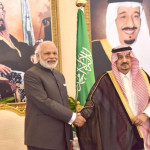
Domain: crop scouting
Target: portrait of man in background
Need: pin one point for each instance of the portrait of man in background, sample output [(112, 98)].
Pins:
[(22, 23), (116, 22)]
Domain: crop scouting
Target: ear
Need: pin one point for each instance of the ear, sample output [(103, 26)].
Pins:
[(38, 57)]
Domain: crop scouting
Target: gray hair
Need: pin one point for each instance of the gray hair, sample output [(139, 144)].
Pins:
[(38, 49)]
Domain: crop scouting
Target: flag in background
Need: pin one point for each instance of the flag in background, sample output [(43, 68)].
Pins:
[(85, 77)]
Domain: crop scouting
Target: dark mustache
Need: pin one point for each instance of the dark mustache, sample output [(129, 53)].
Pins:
[(2, 20), (128, 28), (125, 63)]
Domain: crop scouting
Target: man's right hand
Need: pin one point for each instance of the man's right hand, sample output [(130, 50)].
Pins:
[(4, 69), (79, 121)]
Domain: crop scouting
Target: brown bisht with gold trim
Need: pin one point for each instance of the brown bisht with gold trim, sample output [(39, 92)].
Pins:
[(109, 116)]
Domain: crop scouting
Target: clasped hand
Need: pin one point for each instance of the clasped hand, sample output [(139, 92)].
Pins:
[(140, 119), (79, 121)]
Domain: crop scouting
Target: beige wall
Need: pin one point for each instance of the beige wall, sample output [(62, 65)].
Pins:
[(68, 21)]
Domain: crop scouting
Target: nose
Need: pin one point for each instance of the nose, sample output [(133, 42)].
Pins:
[(52, 56), (130, 22), (124, 59)]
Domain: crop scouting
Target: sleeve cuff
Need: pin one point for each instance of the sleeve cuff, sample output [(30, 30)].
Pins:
[(147, 111), (72, 118)]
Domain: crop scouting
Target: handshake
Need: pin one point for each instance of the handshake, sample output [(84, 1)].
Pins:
[(79, 121)]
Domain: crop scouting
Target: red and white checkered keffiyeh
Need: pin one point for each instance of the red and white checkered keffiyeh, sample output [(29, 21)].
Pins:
[(140, 88)]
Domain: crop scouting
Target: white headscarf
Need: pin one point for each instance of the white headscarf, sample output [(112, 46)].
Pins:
[(141, 47)]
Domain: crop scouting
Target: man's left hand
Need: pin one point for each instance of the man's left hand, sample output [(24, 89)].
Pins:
[(139, 120)]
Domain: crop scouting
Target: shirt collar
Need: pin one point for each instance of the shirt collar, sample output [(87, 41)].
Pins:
[(46, 69), (128, 75)]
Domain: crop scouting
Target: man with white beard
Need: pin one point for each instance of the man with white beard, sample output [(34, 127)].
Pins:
[(48, 118)]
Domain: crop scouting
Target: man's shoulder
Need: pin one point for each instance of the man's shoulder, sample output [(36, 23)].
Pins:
[(143, 71), (103, 81), (145, 75), (102, 77), (97, 43), (37, 69), (33, 69), (100, 42)]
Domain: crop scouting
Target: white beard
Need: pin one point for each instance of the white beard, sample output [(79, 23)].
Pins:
[(47, 65)]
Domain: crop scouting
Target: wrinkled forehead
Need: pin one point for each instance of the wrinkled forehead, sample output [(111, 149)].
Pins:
[(47, 47), (124, 53), (116, 55), (129, 11)]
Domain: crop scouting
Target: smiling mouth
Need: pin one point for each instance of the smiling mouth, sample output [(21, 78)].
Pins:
[(51, 61), (1, 22), (130, 32)]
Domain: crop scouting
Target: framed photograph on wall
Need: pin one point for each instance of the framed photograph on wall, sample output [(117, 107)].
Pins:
[(106, 32), (24, 24)]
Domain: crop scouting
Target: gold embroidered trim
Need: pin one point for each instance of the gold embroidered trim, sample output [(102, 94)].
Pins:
[(95, 40), (147, 81), (123, 99), (107, 48), (94, 91), (11, 45), (18, 108)]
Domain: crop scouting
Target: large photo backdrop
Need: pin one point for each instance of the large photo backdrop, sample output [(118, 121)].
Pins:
[(23, 24), (116, 22)]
